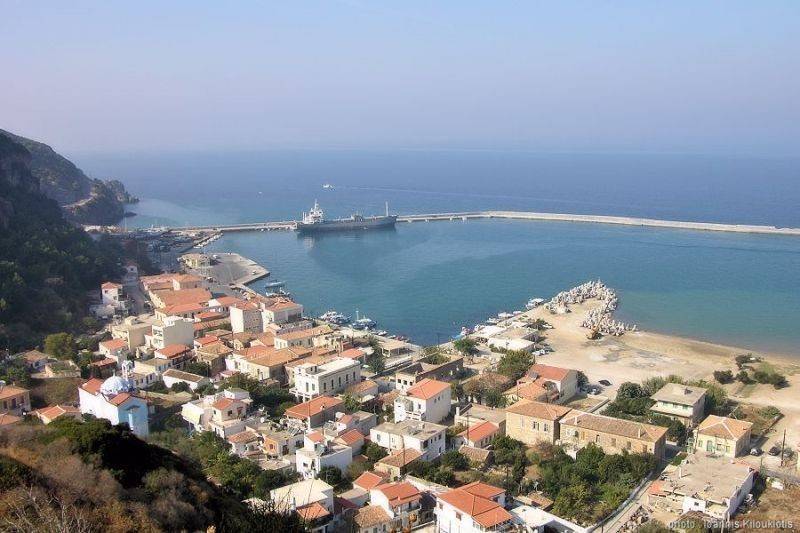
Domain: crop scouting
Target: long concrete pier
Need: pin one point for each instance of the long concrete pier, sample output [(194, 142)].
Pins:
[(526, 215)]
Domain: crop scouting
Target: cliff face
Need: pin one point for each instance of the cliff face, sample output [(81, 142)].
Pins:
[(83, 199)]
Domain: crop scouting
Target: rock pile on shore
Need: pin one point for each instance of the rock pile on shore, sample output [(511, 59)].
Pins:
[(601, 318)]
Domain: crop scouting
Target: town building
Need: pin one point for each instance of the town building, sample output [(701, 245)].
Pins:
[(312, 380), (246, 316), (303, 338), (114, 399), (546, 383), (116, 349), (473, 413), (479, 435), (713, 486), (315, 412), (447, 371), (172, 376), (613, 435), (177, 354), (14, 400), (372, 519), (170, 330), (133, 330), (224, 413), (318, 452), (518, 339), (425, 437), (34, 360), (723, 436), (395, 465), (281, 311), (53, 412), (113, 297), (400, 500), (682, 402), (310, 498), (473, 508), (535, 422), (427, 400)]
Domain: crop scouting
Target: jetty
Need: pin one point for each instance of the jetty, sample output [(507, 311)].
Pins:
[(285, 225)]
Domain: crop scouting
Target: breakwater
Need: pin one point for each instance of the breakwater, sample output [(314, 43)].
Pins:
[(524, 215)]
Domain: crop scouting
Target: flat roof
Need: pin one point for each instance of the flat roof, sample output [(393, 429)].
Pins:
[(680, 394)]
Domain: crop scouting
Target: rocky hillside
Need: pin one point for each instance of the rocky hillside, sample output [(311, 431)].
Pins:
[(83, 199), (46, 263)]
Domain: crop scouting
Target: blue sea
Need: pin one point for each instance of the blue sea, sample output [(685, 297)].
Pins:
[(426, 280)]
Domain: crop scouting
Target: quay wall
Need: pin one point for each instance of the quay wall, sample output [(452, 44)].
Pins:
[(528, 215)]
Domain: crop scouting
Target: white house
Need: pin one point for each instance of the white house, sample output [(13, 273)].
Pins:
[(428, 400), (310, 495), (473, 508), (281, 311), (425, 437), (114, 400), (172, 376), (397, 499), (223, 413), (171, 330), (113, 296), (312, 380), (318, 452), (246, 316)]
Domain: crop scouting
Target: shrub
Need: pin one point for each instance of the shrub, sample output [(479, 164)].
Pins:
[(723, 376)]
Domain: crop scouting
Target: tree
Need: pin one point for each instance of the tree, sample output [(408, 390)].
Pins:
[(723, 376), (652, 385), (198, 367), (466, 345), (351, 403), (454, 460), (514, 364), (376, 360), (583, 380), (457, 389), (330, 475), (630, 390), (180, 386), (374, 453), (495, 398), (60, 345)]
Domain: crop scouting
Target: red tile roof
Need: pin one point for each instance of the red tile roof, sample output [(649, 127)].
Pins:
[(484, 511), (400, 493), (104, 363), (479, 431), (370, 480), (114, 344), (353, 353), (312, 512), (351, 437), (427, 388), (548, 372), (92, 386), (8, 391), (110, 285), (313, 407), (172, 351)]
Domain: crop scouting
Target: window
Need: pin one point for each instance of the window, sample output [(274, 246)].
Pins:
[(536, 425), (546, 427)]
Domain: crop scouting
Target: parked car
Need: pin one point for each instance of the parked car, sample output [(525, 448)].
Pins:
[(605, 382), (756, 451), (775, 450)]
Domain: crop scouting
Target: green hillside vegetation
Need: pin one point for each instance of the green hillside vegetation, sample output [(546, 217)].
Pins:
[(46, 264), (91, 476)]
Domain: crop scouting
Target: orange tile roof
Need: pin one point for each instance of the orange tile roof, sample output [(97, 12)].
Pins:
[(7, 419), (725, 428), (401, 458), (370, 517), (479, 431), (312, 511), (52, 412), (484, 490), (353, 353), (427, 389), (243, 436), (399, 493), (114, 344), (303, 333), (111, 285), (121, 398), (280, 304), (316, 436), (370, 480), (92, 386), (548, 372), (541, 410), (223, 403), (183, 296), (104, 362), (614, 426), (181, 308), (227, 301), (484, 511), (173, 350), (313, 407), (351, 437), (8, 391), (208, 339)]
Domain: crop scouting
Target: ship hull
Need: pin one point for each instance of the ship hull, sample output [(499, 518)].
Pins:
[(347, 225)]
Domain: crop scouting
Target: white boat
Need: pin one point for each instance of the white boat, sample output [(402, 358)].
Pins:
[(505, 315), (492, 321), (327, 186), (273, 284)]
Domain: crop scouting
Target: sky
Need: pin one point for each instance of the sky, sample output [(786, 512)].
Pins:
[(608, 76)]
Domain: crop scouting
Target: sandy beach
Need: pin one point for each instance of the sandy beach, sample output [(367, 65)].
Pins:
[(639, 355)]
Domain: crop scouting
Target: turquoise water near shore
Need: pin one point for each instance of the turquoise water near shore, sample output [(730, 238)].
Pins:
[(427, 280)]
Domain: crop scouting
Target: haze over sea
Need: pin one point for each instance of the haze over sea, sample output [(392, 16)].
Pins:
[(427, 280)]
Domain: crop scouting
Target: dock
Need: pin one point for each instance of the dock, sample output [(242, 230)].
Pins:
[(521, 215)]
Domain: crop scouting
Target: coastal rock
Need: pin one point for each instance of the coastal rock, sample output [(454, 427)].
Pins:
[(84, 200)]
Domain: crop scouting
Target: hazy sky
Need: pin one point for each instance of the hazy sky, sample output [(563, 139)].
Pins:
[(715, 76)]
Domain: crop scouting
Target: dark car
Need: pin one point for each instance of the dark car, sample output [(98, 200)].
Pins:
[(604, 382), (775, 450)]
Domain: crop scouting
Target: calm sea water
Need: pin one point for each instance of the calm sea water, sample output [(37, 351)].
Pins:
[(427, 280)]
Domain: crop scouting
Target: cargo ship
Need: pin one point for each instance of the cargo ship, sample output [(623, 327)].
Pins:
[(314, 221)]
